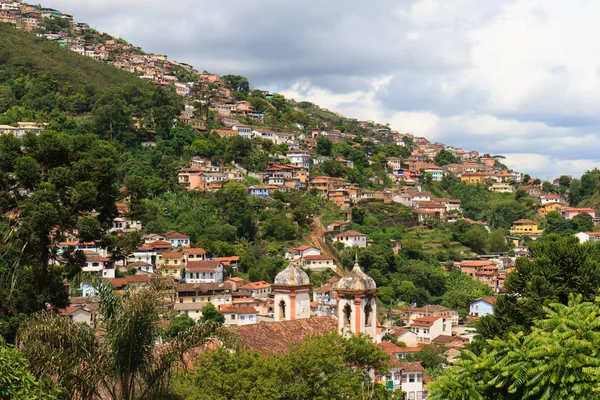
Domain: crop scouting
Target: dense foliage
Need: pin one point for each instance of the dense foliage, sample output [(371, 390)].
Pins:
[(558, 359), (321, 367), (561, 266)]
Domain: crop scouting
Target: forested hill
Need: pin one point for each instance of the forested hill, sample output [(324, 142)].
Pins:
[(25, 56)]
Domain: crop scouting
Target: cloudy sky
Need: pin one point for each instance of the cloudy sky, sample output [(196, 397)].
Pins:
[(519, 78)]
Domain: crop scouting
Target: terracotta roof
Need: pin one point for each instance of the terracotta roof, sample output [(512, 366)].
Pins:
[(175, 235), (236, 279), (407, 366), (227, 260), (446, 339), (159, 244), (256, 285), (71, 309), (350, 233), (276, 337), (302, 248), (172, 254), (97, 258), (426, 321), (317, 257), (139, 264), (474, 263), (490, 300), (578, 209), (208, 263), (237, 310), (196, 250), (389, 347), (524, 221)]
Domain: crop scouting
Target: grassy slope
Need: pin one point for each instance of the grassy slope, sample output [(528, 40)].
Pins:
[(40, 55)]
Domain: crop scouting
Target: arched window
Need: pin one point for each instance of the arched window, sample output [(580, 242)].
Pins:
[(347, 314), (368, 312), (282, 309)]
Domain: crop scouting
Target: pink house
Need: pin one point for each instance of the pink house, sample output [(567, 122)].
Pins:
[(570, 212)]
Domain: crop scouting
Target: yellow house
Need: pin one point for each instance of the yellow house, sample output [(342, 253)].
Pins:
[(525, 227), (544, 209), (473, 178)]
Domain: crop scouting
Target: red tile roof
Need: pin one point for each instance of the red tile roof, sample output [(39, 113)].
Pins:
[(195, 250), (317, 257), (256, 285), (176, 235), (350, 233), (276, 337), (237, 310), (524, 221), (172, 255)]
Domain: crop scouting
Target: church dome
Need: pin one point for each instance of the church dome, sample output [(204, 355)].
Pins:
[(292, 275), (356, 280)]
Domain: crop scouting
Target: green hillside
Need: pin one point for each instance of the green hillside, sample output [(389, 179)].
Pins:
[(25, 56)]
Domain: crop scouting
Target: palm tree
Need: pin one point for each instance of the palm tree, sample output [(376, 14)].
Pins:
[(121, 360)]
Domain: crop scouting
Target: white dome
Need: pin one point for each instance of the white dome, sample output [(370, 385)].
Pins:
[(357, 280), (292, 275)]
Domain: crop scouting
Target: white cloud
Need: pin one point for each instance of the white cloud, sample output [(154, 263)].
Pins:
[(518, 77)]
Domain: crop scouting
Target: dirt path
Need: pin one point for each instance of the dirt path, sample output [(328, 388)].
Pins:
[(317, 238)]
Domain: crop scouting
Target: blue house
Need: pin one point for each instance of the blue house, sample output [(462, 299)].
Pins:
[(261, 191), (482, 307)]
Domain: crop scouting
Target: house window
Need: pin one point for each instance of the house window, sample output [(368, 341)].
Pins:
[(397, 376), (418, 377), (232, 316), (420, 395), (403, 378), (411, 395), (197, 275), (411, 378), (193, 299), (180, 300), (202, 299)]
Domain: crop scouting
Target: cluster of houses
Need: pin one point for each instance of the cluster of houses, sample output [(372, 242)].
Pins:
[(22, 128)]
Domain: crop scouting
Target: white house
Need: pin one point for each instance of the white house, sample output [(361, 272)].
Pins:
[(406, 336), (243, 130), (203, 271), (406, 376), (318, 262), (125, 224), (420, 196), (78, 313), (435, 310), (300, 158), (257, 289), (267, 135), (302, 252), (549, 198), (100, 266), (236, 315), (588, 236), (177, 239), (428, 328), (482, 307), (351, 238)]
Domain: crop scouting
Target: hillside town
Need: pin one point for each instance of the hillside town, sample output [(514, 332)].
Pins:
[(411, 251)]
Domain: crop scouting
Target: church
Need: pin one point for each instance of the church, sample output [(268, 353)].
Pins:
[(356, 311)]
